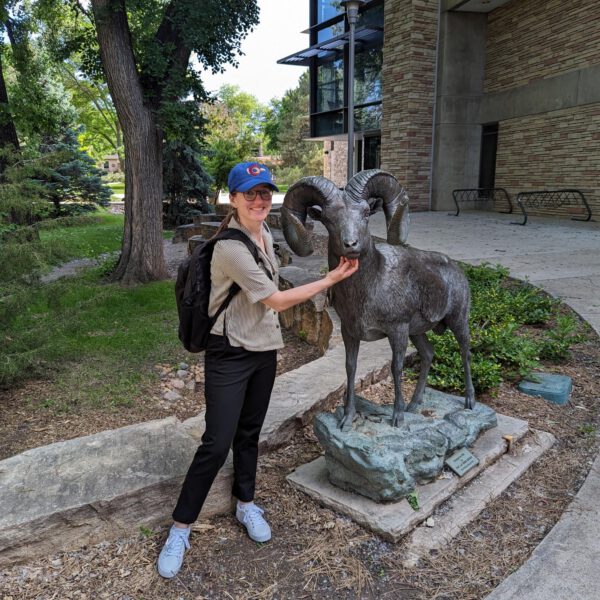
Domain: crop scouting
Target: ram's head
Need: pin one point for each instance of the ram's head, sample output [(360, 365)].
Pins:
[(345, 213)]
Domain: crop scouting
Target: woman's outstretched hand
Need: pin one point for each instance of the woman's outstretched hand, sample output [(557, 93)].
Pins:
[(347, 267)]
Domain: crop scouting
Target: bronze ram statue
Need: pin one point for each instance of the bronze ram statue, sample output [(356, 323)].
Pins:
[(398, 292)]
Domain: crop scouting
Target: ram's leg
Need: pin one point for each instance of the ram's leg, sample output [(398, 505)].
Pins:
[(425, 350), (398, 342), (351, 346), (463, 337)]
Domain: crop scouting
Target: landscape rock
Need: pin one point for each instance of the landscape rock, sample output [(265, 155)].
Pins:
[(386, 463), (172, 396)]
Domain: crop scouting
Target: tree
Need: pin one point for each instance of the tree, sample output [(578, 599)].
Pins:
[(184, 179), (234, 132), (66, 173), (145, 51), (101, 133), (8, 131), (288, 127)]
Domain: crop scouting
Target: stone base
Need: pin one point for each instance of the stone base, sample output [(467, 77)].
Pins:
[(385, 463), (394, 520)]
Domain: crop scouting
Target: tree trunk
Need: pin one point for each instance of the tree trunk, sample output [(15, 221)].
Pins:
[(8, 132), (142, 256)]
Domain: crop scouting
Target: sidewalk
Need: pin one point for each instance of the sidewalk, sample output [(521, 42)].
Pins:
[(563, 258)]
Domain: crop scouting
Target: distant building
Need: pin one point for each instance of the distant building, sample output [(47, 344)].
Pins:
[(112, 163), (461, 94)]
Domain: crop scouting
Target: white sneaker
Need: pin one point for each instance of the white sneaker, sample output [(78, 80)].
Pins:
[(251, 516), (171, 556)]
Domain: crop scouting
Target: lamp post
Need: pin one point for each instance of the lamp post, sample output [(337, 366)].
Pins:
[(351, 7)]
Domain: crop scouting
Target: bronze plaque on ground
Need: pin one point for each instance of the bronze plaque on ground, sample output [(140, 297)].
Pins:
[(462, 461)]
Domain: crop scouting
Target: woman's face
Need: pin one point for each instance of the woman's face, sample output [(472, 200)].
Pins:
[(253, 205)]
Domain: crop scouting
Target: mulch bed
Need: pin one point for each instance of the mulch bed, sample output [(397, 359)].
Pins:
[(318, 554)]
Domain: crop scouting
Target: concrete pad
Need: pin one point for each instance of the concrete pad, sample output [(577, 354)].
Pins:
[(465, 505), (394, 520)]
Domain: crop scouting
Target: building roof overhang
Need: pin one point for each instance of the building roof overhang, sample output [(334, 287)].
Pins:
[(329, 48)]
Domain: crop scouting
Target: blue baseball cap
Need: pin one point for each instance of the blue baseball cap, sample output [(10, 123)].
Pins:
[(244, 176)]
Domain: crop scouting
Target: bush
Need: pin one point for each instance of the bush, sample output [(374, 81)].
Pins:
[(505, 344)]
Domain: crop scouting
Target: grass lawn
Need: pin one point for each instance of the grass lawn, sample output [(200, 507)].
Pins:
[(104, 234), (96, 341), (118, 190)]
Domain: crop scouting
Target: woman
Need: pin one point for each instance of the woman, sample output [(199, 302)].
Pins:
[(240, 360)]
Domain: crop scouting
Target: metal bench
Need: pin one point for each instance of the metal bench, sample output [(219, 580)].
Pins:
[(552, 199), (478, 194)]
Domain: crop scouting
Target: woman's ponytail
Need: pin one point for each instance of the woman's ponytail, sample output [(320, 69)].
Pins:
[(225, 223)]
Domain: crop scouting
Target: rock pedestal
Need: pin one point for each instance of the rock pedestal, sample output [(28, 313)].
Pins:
[(386, 463)]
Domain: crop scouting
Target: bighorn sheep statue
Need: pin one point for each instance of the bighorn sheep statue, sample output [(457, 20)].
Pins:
[(398, 291)]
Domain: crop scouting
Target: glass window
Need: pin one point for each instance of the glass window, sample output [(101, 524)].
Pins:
[(367, 74), (372, 152), (367, 118), (330, 32), (330, 85), (327, 9), (371, 17), (328, 123)]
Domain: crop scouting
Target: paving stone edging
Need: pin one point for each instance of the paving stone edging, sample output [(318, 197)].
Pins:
[(98, 487)]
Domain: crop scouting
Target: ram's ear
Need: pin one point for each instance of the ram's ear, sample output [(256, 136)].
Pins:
[(315, 212)]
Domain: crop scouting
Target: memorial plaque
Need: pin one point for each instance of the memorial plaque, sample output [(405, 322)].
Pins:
[(462, 461)]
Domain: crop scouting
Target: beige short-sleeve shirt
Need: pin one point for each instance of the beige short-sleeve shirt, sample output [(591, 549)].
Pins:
[(247, 322)]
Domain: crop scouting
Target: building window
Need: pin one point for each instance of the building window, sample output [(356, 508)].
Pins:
[(487, 164), (330, 85), (330, 123), (329, 69), (327, 9), (367, 118), (367, 72)]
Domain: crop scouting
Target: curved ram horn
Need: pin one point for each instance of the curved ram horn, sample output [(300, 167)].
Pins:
[(307, 192), (373, 184)]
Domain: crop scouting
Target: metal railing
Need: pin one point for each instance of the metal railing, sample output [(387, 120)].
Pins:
[(552, 199), (480, 194)]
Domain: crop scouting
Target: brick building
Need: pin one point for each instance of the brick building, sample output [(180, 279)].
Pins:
[(462, 94)]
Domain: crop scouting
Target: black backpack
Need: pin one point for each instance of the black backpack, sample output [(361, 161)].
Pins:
[(192, 290)]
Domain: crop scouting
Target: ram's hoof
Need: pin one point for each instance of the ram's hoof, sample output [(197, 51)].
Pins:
[(346, 422), (470, 402), (397, 418)]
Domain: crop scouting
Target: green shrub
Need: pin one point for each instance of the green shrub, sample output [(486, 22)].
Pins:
[(560, 337), (504, 342)]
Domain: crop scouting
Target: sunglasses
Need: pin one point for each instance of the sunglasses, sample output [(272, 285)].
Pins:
[(252, 194)]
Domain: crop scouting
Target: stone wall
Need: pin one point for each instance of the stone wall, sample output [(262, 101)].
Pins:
[(409, 57), (530, 40), (335, 159), (559, 149)]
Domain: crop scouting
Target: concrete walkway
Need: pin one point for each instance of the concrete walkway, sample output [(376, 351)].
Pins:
[(563, 258)]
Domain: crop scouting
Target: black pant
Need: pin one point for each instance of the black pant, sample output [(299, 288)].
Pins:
[(238, 385)]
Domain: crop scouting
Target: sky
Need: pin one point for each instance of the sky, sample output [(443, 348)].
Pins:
[(276, 36)]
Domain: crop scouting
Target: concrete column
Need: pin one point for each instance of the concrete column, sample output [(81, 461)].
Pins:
[(461, 69)]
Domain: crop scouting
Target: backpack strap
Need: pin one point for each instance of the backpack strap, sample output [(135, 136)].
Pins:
[(239, 235)]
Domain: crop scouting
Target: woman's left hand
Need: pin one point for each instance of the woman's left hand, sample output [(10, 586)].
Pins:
[(346, 268)]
